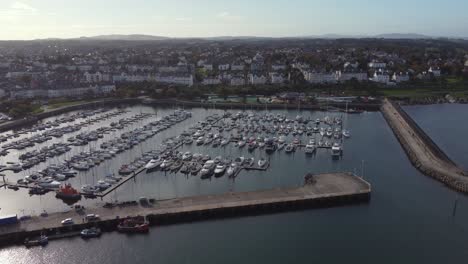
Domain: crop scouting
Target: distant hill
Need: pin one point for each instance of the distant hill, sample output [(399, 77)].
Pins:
[(134, 37), (142, 37), (403, 36)]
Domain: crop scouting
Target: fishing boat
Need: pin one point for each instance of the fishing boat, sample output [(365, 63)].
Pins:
[(133, 225), (67, 192)]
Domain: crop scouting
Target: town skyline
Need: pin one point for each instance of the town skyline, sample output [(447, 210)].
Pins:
[(31, 19)]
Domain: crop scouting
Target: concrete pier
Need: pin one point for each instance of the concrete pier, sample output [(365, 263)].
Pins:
[(327, 190), (425, 155)]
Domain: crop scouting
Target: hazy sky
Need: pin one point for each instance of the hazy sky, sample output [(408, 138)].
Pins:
[(30, 19)]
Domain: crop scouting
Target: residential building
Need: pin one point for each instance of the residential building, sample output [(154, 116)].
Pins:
[(179, 79), (400, 77), (255, 79), (435, 71), (211, 81), (237, 81), (224, 67), (381, 76), (348, 75), (321, 77), (377, 65), (276, 78), (237, 66)]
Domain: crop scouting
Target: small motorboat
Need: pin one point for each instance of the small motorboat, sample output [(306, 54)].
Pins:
[(219, 170), (262, 163), (41, 241), (90, 232)]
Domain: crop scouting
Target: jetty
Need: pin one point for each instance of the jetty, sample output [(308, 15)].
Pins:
[(324, 190), (424, 154)]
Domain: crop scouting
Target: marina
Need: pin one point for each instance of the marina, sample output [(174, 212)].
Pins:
[(207, 147), (284, 171)]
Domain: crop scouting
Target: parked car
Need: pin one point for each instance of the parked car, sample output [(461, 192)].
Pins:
[(92, 217), (67, 221)]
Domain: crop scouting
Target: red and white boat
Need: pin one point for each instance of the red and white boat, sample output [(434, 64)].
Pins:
[(136, 224), (67, 192)]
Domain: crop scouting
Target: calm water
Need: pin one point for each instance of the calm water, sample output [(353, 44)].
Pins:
[(408, 220)]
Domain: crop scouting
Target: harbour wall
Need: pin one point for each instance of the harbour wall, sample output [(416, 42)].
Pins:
[(443, 168), (191, 209)]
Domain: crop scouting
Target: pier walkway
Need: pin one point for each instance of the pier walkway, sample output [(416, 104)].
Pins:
[(425, 155), (327, 190)]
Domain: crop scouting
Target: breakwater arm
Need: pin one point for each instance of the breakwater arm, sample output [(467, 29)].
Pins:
[(424, 154)]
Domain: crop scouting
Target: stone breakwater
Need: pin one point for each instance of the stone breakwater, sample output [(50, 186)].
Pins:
[(423, 153)]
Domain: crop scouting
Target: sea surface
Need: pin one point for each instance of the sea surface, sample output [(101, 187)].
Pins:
[(408, 220)]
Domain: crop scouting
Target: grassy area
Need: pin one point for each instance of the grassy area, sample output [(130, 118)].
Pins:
[(420, 93), (56, 105)]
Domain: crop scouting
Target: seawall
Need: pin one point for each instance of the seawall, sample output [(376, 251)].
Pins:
[(422, 151)]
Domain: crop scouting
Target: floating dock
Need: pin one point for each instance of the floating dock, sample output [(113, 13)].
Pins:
[(424, 154), (325, 191)]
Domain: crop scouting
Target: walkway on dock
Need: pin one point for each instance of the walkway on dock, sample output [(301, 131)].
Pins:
[(422, 151), (329, 189)]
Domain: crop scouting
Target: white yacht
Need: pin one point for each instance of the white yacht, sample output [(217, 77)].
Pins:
[(48, 183), (154, 163), (336, 150), (187, 156), (220, 169)]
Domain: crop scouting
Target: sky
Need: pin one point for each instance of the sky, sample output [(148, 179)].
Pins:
[(34, 19)]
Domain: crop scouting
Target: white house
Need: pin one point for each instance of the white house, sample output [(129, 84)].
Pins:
[(180, 79), (211, 80), (237, 66), (224, 67), (278, 67), (208, 67), (92, 77), (84, 68), (276, 78), (381, 77), (135, 68), (400, 77), (321, 77), (377, 65), (435, 71), (255, 79), (237, 80), (344, 76)]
